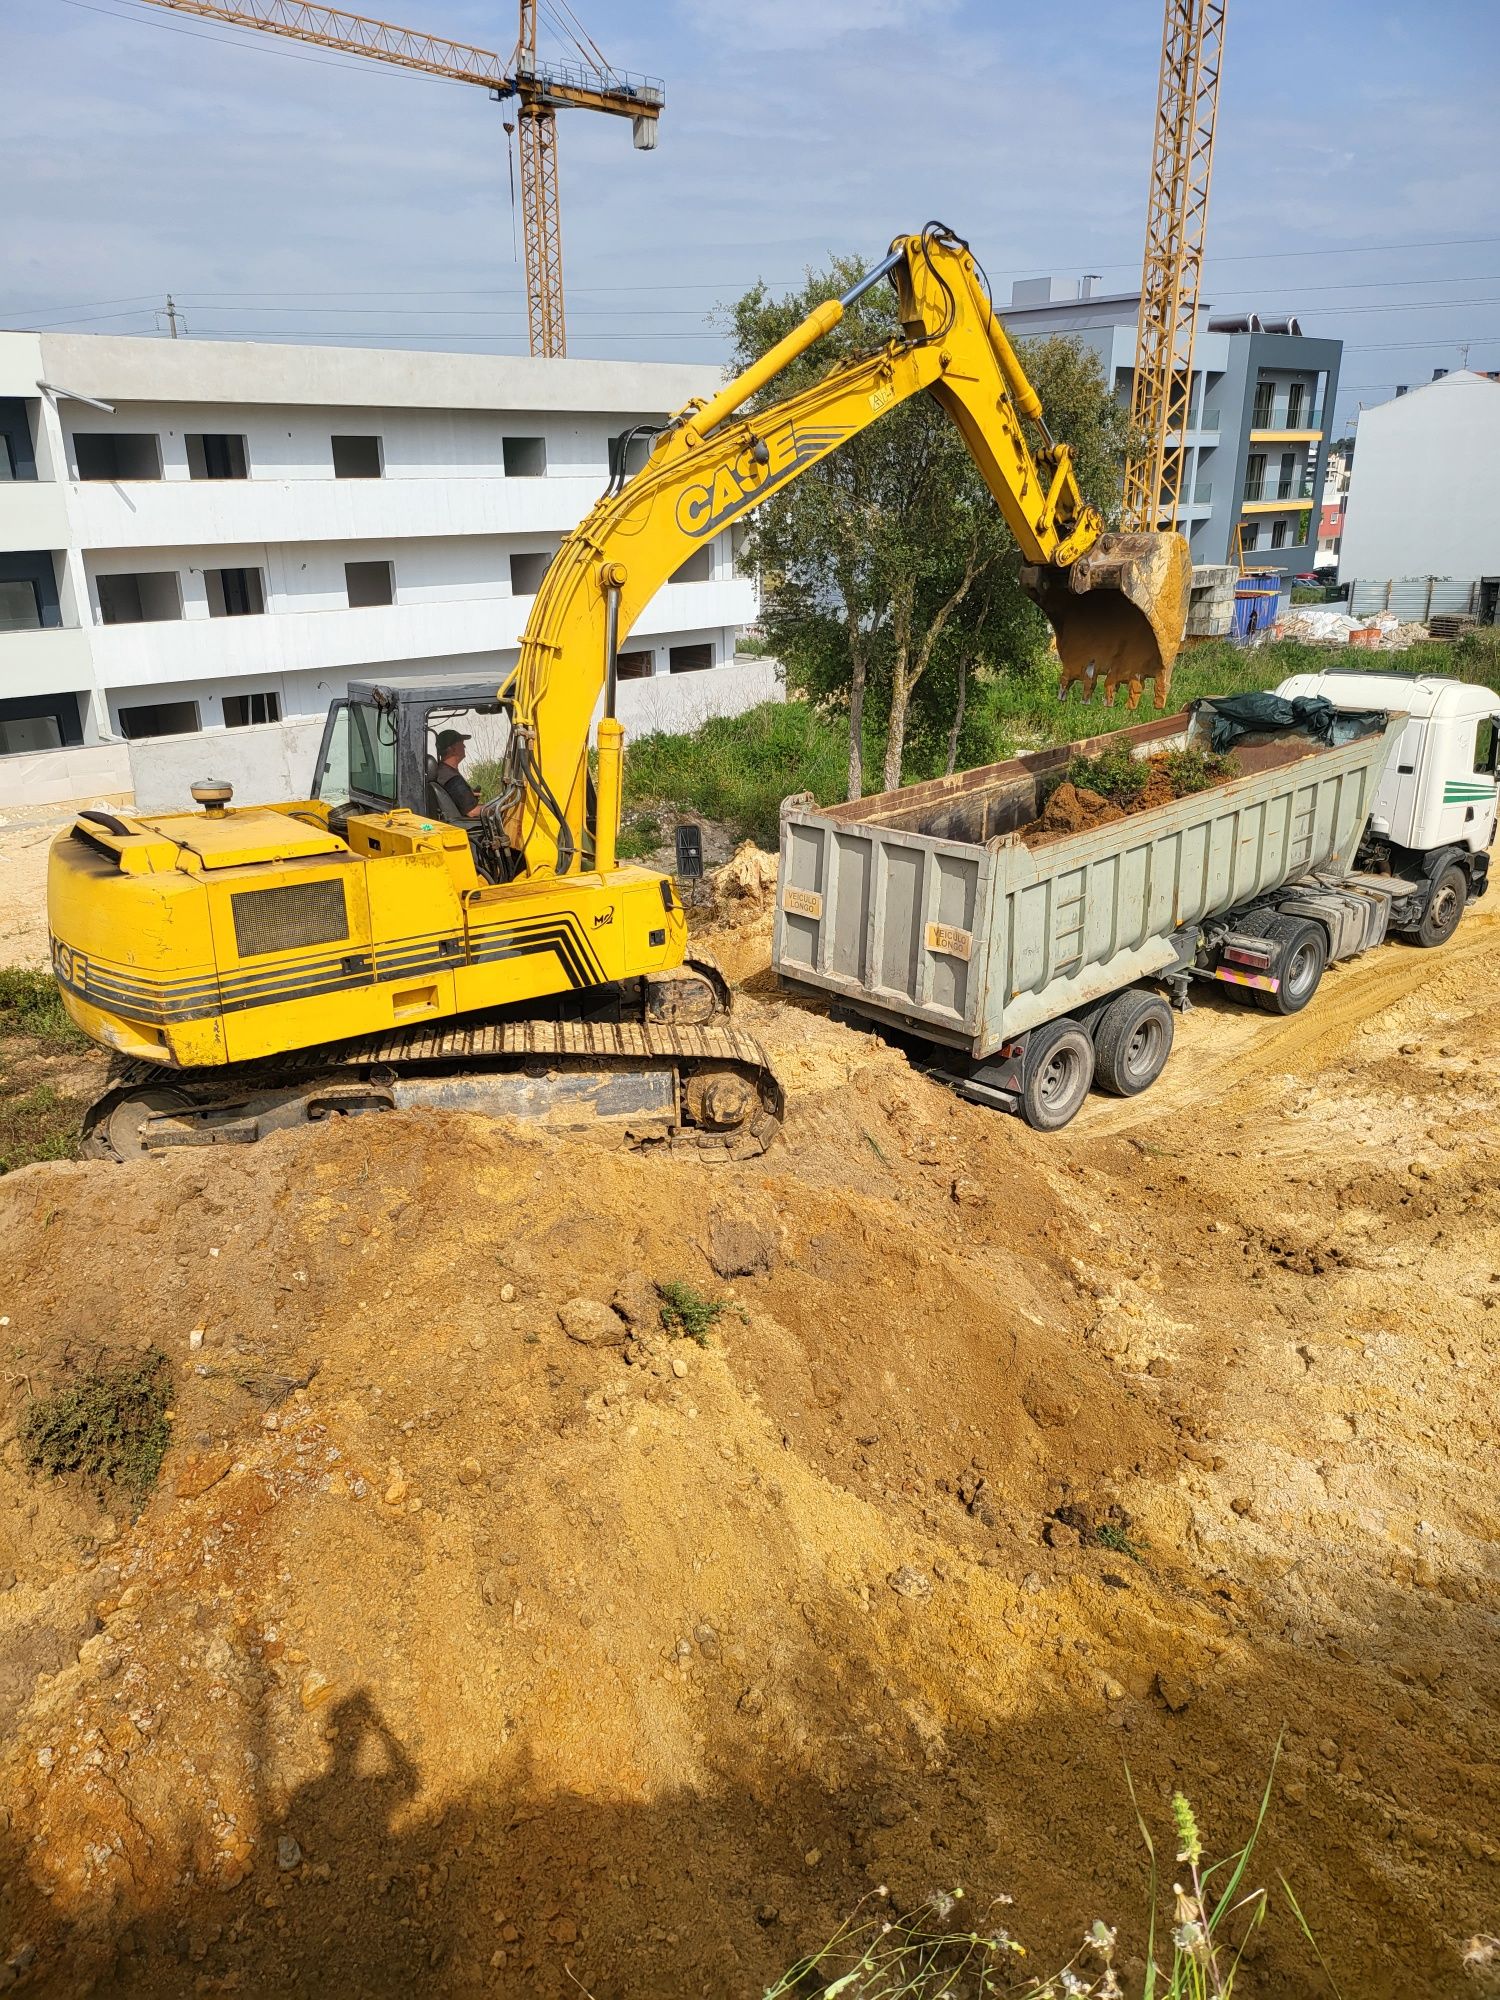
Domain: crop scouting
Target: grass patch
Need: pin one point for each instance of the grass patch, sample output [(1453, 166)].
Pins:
[(30, 1004), (640, 835), (108, 1427), (37, 1124), (688, 1314), (1190, 771), (738, 768), (1115, 775), (942, 1950), (1110, 1535)]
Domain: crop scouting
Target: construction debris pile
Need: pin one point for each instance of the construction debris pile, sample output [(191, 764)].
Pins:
[(1325, 624)]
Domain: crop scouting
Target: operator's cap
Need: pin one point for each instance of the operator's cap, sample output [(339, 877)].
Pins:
[(446, 740)]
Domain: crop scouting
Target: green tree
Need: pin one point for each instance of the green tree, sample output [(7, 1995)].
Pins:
[(888, 573)]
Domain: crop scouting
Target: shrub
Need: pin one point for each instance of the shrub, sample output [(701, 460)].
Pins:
[(1190, 771), (110, 1426), (687, 1313), (1114, 774)]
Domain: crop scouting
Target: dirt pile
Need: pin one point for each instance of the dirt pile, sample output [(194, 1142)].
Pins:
[(484, 1633), (1077, 807)]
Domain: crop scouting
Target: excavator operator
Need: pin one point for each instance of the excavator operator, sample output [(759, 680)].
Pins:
[(448, 774)]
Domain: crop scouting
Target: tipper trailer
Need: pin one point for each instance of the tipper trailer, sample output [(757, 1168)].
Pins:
[(1364, 806)]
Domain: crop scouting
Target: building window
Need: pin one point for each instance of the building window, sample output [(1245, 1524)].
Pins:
[(140, 599), (639, 665), (234, 593), (369, 583), (159, 718), (20, 606), (38, 722), (691, 659), (216, 455), (525, 458), (1250, 535), (1278, 534), (636, 452), (7, 457), (117, 454), (698, 568), (1294, 406), (241, 710), (526, 573), (1255, 475), (357, 457), (1286, 486), (1265, 395)]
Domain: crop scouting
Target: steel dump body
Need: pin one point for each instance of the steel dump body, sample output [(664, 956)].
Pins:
[(922, 908)]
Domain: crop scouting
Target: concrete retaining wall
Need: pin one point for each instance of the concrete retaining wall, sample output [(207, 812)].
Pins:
[(275, 760)]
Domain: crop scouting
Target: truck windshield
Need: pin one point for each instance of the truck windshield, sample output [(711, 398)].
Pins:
[(358, 759)]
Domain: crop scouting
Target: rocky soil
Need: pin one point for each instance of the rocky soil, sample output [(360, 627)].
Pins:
[(481, 1637)]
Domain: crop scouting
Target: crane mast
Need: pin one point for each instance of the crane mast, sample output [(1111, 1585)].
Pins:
[(540, 89), (1176, 221)]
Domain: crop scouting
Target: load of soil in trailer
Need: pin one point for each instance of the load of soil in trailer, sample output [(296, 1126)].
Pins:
[(1094, 791)]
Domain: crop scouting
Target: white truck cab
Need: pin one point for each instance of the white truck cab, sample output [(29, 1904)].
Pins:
[(1441, 787)]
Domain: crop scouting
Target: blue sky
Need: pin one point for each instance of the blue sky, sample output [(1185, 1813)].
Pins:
[(284, 193)]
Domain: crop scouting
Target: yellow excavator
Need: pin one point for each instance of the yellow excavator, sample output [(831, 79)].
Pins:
[(254, 967)]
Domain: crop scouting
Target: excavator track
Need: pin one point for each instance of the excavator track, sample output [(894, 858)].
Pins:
[(709, 1089)]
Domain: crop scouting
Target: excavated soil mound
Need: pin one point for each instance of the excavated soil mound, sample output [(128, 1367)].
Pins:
[(480, 1637), (1076, 809)]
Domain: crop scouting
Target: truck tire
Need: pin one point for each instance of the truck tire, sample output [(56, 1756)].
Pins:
[(1445, 907), (1132, 1040), (1056, 1074), (1303, 958)]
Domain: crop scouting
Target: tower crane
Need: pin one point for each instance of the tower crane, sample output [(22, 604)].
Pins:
[(1187, 103), (540, 91)]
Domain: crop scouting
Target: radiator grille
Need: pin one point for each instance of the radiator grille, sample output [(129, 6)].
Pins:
[(301, 913)]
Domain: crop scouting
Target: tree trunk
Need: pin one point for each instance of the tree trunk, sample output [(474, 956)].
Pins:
[(895, 742), (857, 727), (958, 717)]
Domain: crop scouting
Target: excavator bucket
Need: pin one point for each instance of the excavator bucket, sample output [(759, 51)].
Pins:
[(1119, 613)]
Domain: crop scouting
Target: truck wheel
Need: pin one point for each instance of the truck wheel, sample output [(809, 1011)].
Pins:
[(1056, 1074), (1132, 1041), (1445, 907), (1304, 955)]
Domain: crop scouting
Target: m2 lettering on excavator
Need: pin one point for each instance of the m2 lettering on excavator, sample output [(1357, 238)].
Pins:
[(733, 490)]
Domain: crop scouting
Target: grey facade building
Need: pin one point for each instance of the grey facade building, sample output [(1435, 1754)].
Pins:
[(1259, 415)]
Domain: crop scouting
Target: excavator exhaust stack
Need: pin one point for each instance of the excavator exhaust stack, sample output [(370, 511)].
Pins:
[(1118, 613)]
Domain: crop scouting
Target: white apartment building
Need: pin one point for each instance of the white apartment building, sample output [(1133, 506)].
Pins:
[(1422, 521), (242, 528)]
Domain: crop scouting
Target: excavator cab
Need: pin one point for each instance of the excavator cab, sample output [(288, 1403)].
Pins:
[(379, 754)]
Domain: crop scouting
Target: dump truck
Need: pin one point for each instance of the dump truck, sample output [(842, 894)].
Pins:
[(1029, 968)]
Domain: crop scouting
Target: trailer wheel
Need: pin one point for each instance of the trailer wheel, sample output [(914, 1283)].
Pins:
[(1132, 1041), (1056, 1074), (1445, 907), (1303, 958)]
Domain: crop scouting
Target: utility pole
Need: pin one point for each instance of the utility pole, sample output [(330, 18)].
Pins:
[(171, 310)]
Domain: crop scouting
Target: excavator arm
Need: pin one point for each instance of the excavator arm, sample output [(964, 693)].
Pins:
[(1117, 603)]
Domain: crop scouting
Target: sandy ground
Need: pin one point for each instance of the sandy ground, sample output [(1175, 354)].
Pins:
[(25, 835), (455, 1654)]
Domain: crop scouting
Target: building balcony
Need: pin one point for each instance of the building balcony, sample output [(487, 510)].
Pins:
[(1307, 429), (208, 513), (1268, 495), (51, 660), (340, 641), (33, 515)]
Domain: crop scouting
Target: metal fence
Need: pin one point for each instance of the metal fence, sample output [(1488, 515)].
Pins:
[(1414, 599)]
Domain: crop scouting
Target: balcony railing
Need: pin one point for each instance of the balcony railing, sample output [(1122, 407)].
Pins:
[(1292, 491), (1287, 420)]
